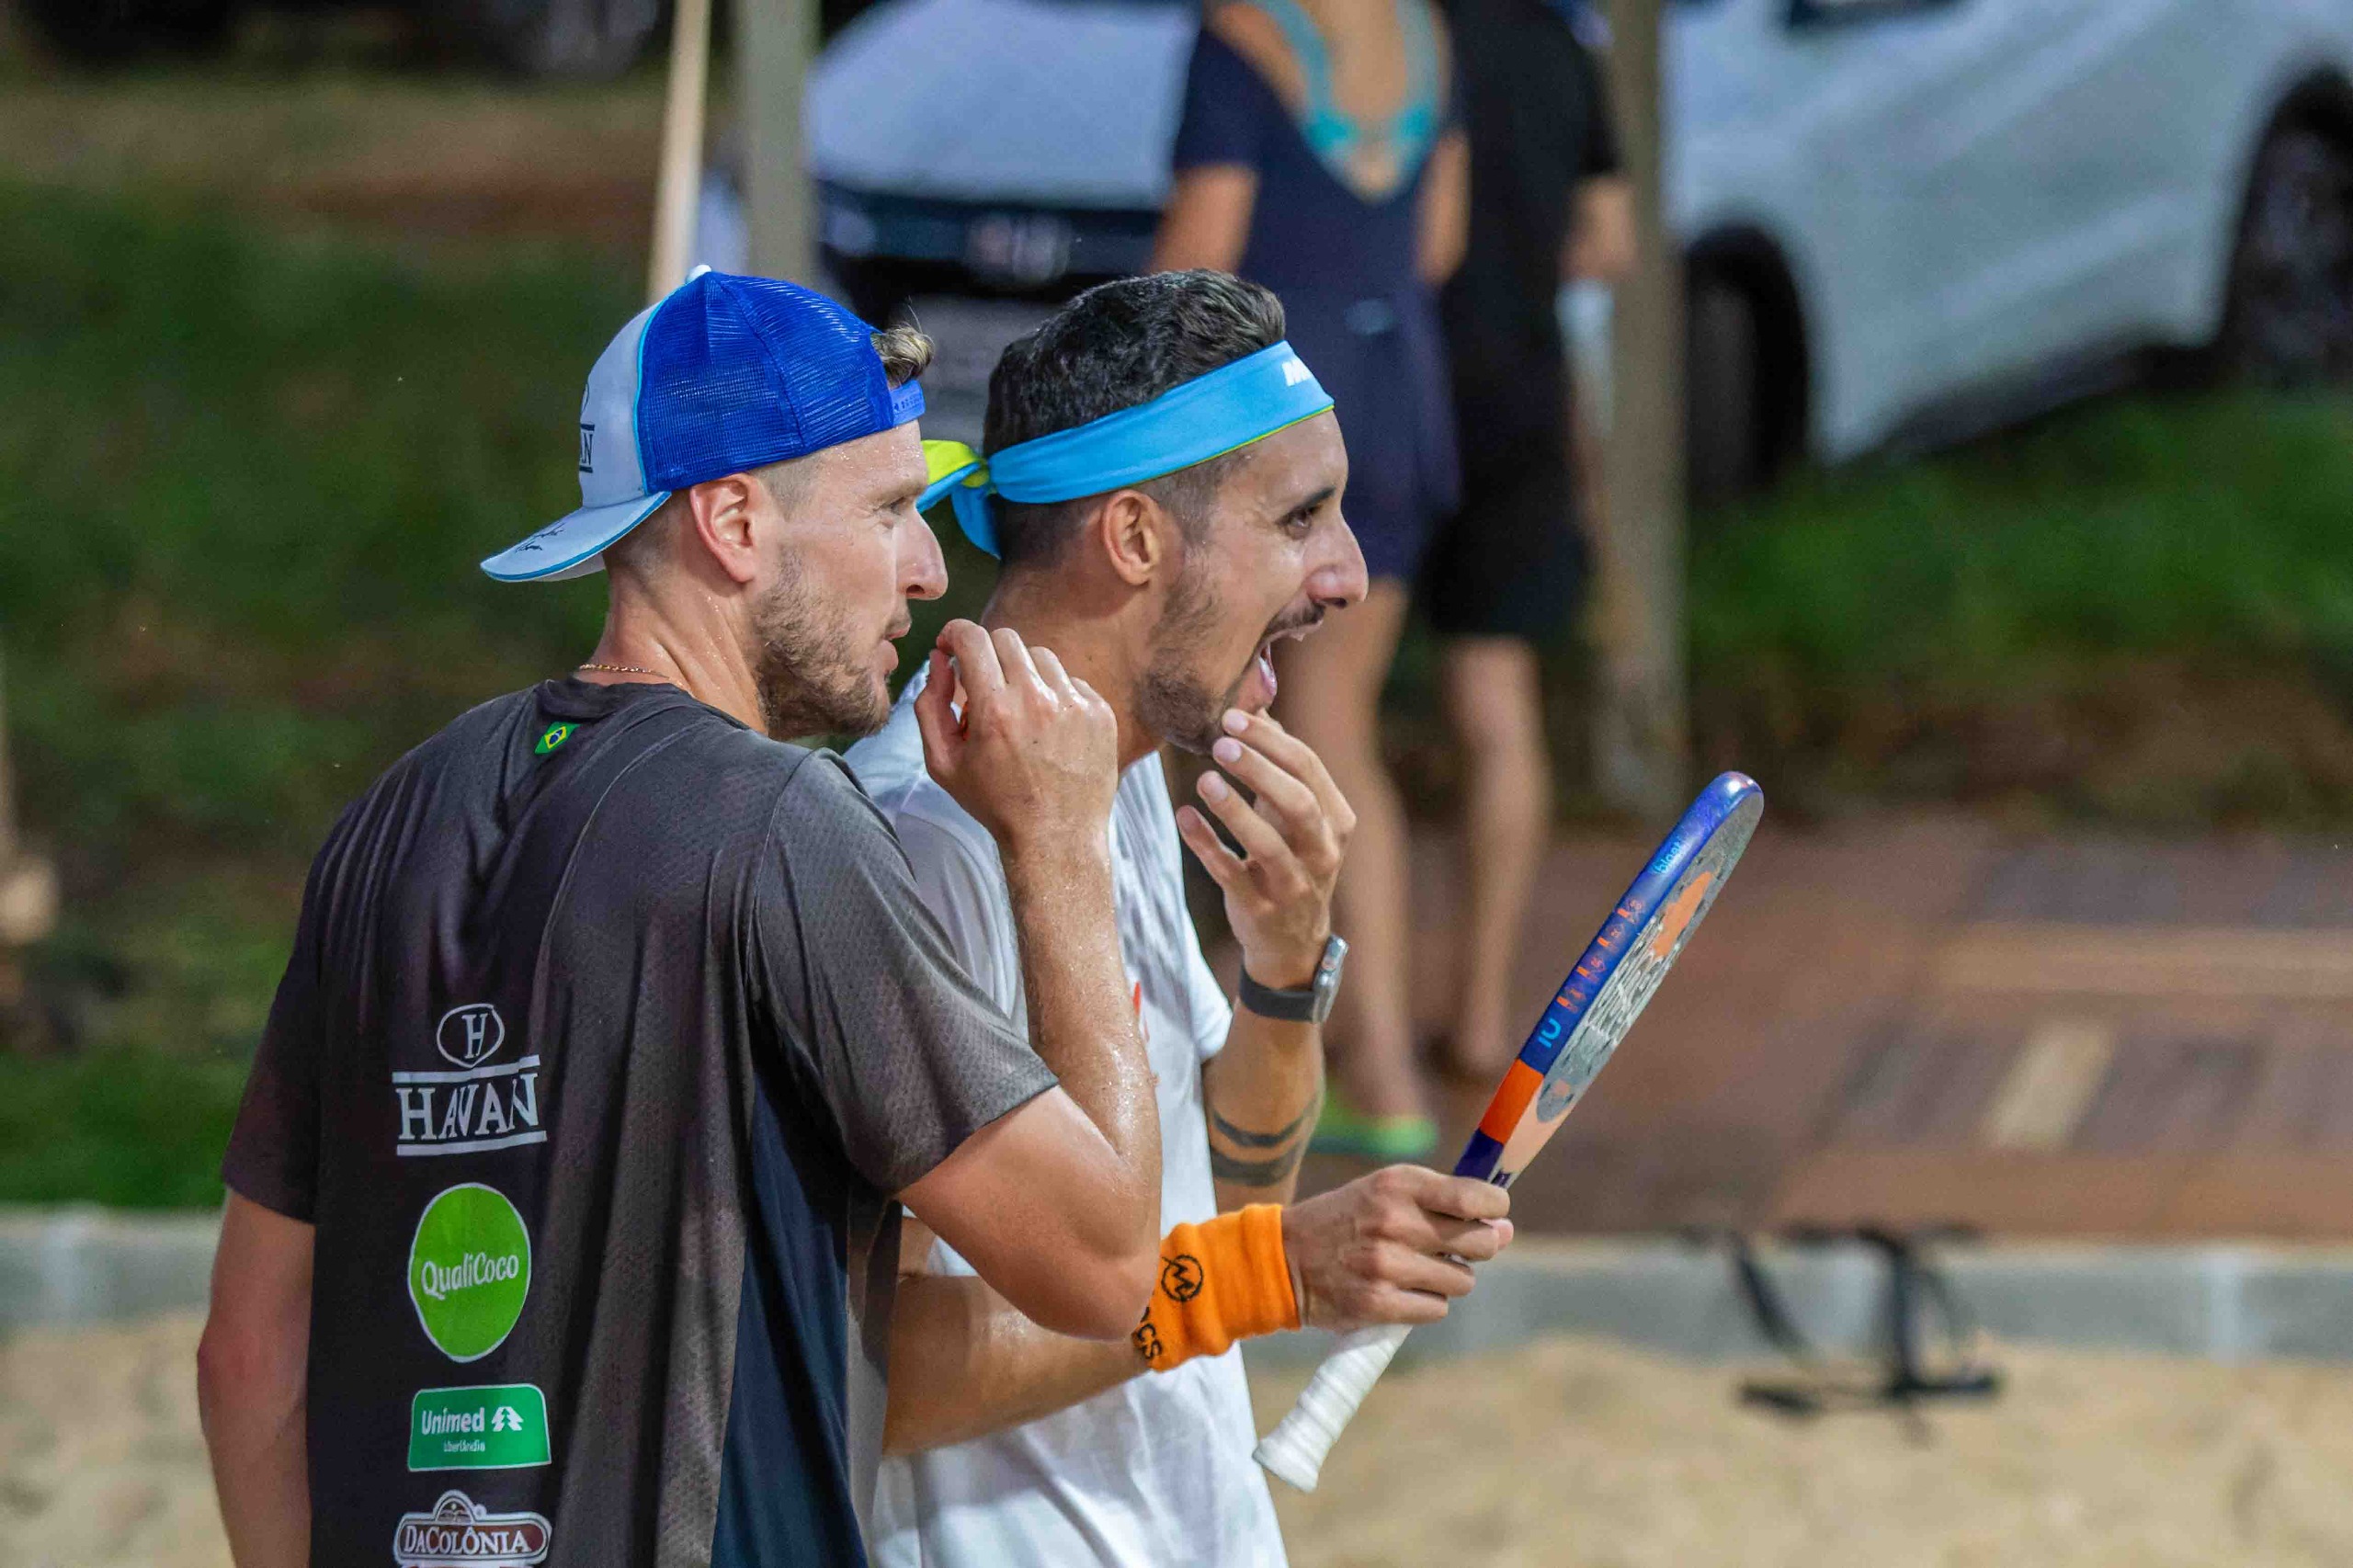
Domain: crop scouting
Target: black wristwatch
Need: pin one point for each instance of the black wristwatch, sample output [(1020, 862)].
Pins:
[(1312, 1003)]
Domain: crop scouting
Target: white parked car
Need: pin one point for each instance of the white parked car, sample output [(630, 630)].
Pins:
[(1903, 218)]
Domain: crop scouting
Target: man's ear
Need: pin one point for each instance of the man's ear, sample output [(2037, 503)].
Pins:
[(1139, 538), (721, 517)]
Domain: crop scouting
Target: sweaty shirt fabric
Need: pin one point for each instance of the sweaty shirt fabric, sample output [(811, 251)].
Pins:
[(609, 1029), (1156, 1471)]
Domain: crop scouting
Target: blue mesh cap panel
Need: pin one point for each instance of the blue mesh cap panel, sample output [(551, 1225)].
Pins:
[(739, 372), (833, 378)]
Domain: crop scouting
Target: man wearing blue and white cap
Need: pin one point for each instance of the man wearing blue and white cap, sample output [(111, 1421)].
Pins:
[(562, 1224), (1163, 484)]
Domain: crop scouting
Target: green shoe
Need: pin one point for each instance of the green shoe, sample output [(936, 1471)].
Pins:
[(1384, 1140)]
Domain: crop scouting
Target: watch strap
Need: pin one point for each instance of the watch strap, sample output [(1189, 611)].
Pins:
[(1309, 1004), (1291, 1007)]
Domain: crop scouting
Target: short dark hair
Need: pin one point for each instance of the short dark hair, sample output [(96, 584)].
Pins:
[(1115, 345)]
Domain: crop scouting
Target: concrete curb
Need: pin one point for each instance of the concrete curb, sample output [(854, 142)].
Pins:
[(60, 1268), (64, 1266), (2223, 1303)]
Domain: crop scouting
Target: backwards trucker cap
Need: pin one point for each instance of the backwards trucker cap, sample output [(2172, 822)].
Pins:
[(724, 374)]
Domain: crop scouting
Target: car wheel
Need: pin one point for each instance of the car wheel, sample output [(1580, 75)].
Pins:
[(2289, 317), (580, 41), (100, 33), (1723, 453)]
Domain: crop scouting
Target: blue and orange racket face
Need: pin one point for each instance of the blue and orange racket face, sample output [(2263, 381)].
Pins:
[(1614, 980)]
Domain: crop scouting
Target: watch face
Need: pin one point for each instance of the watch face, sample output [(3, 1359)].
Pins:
[(1327, 976)]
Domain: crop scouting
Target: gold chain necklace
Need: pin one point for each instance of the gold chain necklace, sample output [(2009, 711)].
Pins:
[(625, 670)]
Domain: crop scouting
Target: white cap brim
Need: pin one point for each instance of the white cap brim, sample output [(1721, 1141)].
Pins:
[(573, 545)]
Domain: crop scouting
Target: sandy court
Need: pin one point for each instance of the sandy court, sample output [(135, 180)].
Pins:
[(1577, 1454), (101, 1459), (1567, 1454)]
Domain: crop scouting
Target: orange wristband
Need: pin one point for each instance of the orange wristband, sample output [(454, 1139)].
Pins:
[(1219, 1281)]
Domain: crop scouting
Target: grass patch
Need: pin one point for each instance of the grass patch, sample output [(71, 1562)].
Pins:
[(134, 1129), (2142, 610), (245, 486), (2212, 526)]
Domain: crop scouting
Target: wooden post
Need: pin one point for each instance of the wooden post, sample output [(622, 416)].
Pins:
[(775, 41), (27, 884), (678, 189), (1641, 733), (7, 785)]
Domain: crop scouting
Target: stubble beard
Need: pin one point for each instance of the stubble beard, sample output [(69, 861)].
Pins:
[(1172, 701), (810, 672)]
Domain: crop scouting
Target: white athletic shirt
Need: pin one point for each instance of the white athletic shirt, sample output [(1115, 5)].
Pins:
[(1156, 1471)]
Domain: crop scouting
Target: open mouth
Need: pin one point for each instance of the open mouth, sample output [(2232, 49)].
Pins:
[(1265, 659)]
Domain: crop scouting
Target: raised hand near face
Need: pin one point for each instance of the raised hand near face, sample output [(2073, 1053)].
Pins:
[(1035, 754), (1293, 835)]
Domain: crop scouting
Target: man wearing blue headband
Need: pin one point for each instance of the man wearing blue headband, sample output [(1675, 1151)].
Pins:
[(1162, 483), (566, 1187)]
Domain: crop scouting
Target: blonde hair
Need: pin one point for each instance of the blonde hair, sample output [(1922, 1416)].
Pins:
[(906, 353)]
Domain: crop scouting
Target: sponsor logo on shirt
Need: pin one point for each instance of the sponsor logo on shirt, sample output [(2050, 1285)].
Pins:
[(494, 1427), (458, 1530), (480, 1107), (470, 1035), (469, 1270), (467, 1113)]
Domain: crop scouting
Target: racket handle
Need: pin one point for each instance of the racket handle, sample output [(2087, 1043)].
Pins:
[(1294, 1450)]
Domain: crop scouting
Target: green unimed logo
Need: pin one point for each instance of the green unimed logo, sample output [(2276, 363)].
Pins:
[(469, 1269), (557, 734), (496, 1427)]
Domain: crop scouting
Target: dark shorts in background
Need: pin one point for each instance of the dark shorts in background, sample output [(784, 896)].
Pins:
[(1382, 357), (1510, 559)]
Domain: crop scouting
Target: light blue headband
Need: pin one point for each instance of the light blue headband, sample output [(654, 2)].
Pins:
[(1203, 419)]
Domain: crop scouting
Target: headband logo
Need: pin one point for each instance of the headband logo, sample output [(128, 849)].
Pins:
[(1293, 372)]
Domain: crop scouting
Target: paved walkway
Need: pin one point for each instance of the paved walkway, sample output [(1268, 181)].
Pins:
[(1929, 1020)]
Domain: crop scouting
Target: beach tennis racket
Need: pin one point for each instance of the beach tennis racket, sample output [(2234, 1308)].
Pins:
[(1596, 1006)]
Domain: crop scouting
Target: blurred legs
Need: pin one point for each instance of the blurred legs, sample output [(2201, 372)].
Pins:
[(1494, 702), (1330, 698)]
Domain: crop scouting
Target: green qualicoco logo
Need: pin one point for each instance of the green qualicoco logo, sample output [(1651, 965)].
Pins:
[(557, 734), (469, 1269)]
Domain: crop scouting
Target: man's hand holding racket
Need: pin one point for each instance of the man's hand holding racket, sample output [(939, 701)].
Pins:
[(1391, 1247)]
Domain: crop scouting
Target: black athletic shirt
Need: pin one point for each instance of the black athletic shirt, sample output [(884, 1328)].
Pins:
[(1539, 115), (609, 1029)]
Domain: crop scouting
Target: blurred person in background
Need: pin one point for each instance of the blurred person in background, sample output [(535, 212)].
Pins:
[(1319, 154), (1502, 576)]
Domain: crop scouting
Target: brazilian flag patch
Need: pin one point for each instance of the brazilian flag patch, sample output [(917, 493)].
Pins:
[(557, 734)]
